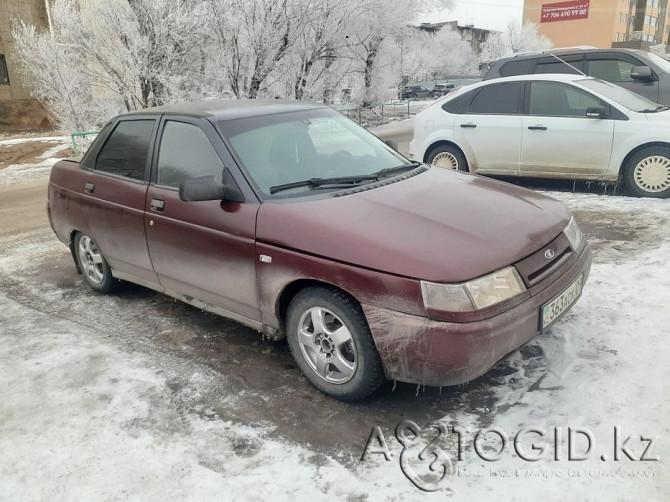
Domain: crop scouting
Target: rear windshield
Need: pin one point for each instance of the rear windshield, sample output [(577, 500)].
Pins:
[(624, 97)]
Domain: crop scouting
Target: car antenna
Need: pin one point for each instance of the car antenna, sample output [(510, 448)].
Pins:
[(565, 62)]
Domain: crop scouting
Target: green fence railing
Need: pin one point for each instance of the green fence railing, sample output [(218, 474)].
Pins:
[(75, 135)]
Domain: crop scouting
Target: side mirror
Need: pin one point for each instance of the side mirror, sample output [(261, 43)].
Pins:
[(392, 144), (597, 112), (209, 188), (641, 73)]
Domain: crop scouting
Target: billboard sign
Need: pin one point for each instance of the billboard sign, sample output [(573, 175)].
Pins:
[(565, 11)]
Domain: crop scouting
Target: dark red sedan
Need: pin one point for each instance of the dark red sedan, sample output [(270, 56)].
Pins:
[(295, 221)]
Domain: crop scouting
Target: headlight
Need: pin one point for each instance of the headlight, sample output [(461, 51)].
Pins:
[(574, 234), (473, 295)]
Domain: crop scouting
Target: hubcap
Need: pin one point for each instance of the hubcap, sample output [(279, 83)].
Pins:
[(652, 174), (90, 260), (327, 346), (445, 160)]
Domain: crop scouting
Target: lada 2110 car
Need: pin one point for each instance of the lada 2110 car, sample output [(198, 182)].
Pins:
[(296, 222)]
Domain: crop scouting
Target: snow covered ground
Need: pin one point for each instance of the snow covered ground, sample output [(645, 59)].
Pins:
[(108, 398)]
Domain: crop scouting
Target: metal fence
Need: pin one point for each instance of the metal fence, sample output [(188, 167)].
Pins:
[(375, 115), (80, 141)]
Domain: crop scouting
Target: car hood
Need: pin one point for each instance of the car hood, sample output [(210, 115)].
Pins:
[(659, 118), (439, 225)]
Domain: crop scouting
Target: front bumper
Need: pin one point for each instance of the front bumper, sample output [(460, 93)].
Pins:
[(420, 350)]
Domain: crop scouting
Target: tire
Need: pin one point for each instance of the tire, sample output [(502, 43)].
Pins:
[(331, 342), (647, 173), (448, 157), (93, 266)]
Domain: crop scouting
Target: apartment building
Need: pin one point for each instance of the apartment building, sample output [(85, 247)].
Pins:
[(29, 11), (601, 23)]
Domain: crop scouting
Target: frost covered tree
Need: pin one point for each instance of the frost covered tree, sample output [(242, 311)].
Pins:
[(136, 53), (375, 24), (516, 38), (427, 56)]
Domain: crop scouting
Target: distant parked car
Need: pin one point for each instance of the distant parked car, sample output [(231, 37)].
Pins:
[(441, 90), (415, 92), (639, 71), (297, 222), (549, 126)]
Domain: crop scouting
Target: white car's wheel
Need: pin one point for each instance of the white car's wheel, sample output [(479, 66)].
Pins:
[(647, 173), (447, 157)]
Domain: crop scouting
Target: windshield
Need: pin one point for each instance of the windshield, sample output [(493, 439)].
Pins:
[(624, 97), (288, 148), (659, 61)]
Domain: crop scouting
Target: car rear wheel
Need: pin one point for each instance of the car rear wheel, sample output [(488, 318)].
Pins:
[(331, 342), (447, 157), (93, 265), (647, 173)]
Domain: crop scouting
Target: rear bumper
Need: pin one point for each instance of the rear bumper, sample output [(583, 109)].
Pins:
[(420, 350)]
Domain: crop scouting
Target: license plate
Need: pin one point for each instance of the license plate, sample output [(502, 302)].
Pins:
[(552, 310)]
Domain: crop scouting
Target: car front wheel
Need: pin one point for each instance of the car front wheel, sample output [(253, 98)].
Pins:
[(331, 342), (447, 157), (647, 173), (93, 265)]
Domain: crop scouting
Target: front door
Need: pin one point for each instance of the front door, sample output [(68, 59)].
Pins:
[(558, 139), (201, 250)]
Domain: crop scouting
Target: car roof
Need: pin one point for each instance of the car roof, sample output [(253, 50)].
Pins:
[(229, 109), (567, 52)]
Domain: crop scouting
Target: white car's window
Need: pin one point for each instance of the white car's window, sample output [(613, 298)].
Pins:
[(560, 100), (619, 95), (185, 152), (497, 99)]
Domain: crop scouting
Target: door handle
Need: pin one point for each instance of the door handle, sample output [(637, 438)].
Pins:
[(469, 125), (89, 187), (157, 204), (537, 128)]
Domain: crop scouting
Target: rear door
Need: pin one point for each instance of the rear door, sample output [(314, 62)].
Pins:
[(489, 128), (202, 250), (558, 139), (112, 194)]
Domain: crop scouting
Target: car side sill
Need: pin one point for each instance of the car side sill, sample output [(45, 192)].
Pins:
[(257, 325)]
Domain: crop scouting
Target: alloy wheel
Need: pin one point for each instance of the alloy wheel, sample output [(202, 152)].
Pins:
[(327, 346)]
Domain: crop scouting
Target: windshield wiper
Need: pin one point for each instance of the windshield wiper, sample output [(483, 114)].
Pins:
[(659, 108), (389, 171), (337, 182), (344, 181)]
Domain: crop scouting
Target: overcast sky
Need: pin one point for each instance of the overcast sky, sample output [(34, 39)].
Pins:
[(491, 14)]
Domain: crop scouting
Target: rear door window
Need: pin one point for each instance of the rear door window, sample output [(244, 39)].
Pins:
[(514, 68), (498, 99), (125, 151), (560, 64)]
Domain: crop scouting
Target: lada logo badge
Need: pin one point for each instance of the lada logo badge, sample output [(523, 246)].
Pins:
[(549, 254)]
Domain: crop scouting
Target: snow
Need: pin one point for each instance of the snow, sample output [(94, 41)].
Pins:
[(19, 173), (85, 416)]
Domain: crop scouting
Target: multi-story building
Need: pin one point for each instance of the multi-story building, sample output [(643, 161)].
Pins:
[(474, 36), (29, 11), (601, 23)]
